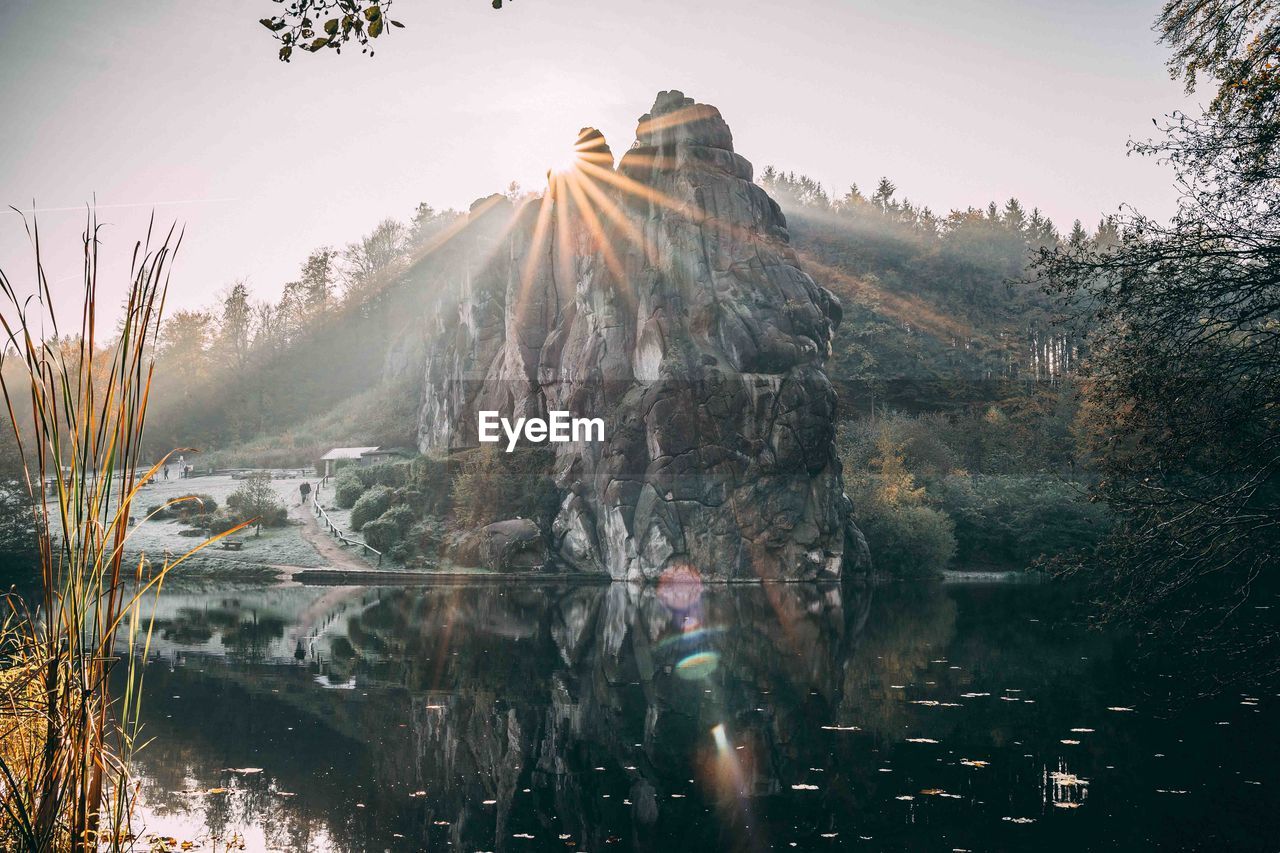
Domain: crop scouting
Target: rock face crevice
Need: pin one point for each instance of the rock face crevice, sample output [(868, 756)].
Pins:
[(663, 297)]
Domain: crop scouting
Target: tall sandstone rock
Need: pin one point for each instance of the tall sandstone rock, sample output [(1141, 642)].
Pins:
[(663, 297)]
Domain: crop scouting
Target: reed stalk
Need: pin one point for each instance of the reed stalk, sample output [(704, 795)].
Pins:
[(71, 664)]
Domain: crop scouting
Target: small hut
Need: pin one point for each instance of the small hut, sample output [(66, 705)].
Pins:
[(341, 457)]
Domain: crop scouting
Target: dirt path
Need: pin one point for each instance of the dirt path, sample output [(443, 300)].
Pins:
[(334, 554)]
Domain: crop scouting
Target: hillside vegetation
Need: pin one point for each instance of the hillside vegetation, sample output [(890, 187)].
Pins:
[(954, 380)]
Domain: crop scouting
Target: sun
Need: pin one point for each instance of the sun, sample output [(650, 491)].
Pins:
[(566, 161), (590, 149)]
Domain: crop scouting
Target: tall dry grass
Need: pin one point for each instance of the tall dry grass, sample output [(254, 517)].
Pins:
[(70, 673)]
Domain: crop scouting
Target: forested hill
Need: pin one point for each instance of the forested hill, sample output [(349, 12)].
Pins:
[(937, 316), (939, 311)]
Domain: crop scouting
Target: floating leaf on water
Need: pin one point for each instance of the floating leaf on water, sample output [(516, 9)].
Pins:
[(677, 796), (1010, 699), (803, 787), (285, 794), (1070, 742), (418, 794), (840, 729), (1062, 804), (440, 822), (968, 762), (1119, 708), (829, 834), (489, 802), (1082, 731), (1168, 791), (1019, 819), (904, 797), (932, 792), (216, 791), (1065, 779), (522, 835), (973, 695), (928, 703), (921, 740), (243, 771)]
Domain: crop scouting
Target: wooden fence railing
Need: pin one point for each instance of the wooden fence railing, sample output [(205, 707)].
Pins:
[(334, 529)]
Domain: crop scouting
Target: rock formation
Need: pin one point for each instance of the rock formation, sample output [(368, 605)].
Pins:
[(663, 297)]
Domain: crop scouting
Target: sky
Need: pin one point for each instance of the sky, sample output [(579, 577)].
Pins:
[(182, 108)]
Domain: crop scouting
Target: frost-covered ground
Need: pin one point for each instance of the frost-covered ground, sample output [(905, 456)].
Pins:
[(284, 547)]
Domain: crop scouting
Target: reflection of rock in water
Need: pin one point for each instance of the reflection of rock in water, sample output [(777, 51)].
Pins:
[(484, 715), (605, 691)]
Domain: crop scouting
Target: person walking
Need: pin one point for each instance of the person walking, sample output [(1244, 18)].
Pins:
[(305, 491)]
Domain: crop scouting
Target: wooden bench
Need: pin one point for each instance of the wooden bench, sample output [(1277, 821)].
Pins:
[(232, 544)]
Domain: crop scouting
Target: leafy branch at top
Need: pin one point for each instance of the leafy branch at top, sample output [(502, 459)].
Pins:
[(315, 25)]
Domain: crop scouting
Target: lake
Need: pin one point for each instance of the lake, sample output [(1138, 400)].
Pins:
[(949, 716)]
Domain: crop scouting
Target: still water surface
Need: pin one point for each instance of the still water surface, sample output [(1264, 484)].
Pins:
[(941, 716)]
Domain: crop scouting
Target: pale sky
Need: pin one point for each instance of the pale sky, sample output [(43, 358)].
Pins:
[(184, 106)]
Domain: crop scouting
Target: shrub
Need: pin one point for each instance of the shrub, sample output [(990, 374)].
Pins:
[(196, 505), (393, 474), (494, 486), (401, 516), (187, 509), (426, 536), (389, 528), (432, 479), (347, 489), (273, 516), (372, 504), (1017, 520), (381, 533), (905, 535), (906, 540), (220, 522)]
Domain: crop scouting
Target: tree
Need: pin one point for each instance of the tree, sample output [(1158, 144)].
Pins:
[(882, 198), (1078, 235), (183, 345), (1014, 216), (1182, 388), (373, 256), (319, 275), (256, 500), (235, 327)]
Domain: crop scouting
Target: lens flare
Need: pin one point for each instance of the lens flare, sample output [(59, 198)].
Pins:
[(697, 666)]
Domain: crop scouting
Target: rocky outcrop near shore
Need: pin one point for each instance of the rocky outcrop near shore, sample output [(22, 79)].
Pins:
[(661, 296)]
